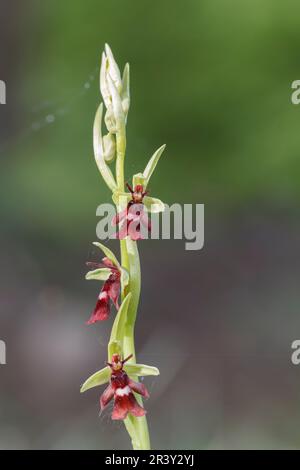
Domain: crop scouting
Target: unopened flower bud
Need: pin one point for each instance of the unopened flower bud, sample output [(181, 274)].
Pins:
[(103, 82), (118, 112), (113, 69), (109, 145), (110, 120)]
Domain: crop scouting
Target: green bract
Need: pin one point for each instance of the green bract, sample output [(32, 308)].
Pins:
[(99, 151), (117, 332)]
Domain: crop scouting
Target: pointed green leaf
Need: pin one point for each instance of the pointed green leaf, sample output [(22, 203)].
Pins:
[(101, 274), (153, 204), (118, 326), (99, 151), (152, 163), (140, 370), (117, 332), (99, 378), (108, 253)]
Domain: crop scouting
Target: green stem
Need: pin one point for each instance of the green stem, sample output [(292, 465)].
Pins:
[(121, 148), (137, 427)]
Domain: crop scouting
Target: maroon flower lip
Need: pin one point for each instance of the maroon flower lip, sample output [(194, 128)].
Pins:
[(130, 219), (121, 389), (109, 292)]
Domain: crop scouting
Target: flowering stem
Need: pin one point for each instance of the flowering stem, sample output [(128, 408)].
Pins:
[(140, 435), (136, 427), (116, 96)]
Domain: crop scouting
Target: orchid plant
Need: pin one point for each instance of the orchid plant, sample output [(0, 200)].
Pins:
[(123, 278)]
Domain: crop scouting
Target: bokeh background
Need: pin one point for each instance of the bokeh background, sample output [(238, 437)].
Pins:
[(212, 80)]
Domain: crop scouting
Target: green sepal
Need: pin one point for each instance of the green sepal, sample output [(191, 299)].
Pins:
[(100, 274), (102, 376), (139, 178), (141, 370), (114, 347), (108, 253), (152, 164), (98, 378), (153, 204), (117, 332)]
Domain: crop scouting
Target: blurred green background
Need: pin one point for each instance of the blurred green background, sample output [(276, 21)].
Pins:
[(212, 80)]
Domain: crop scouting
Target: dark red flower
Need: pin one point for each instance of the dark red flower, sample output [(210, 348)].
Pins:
[(129, 220), (121, 389), (110, 291)]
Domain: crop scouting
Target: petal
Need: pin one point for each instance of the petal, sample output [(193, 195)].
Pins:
[(134, 408), (108, 262), (123, 232), (146, 221), (134, 231), (138, 388), (121, 408), (125, 404), (101, 311), (119, 217), (106, 396)]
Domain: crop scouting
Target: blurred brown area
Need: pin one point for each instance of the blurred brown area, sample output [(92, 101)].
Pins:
[(213, 82)]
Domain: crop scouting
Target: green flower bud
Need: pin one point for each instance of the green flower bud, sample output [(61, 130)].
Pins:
[(113, 69), (109, 144), (110, 120)]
